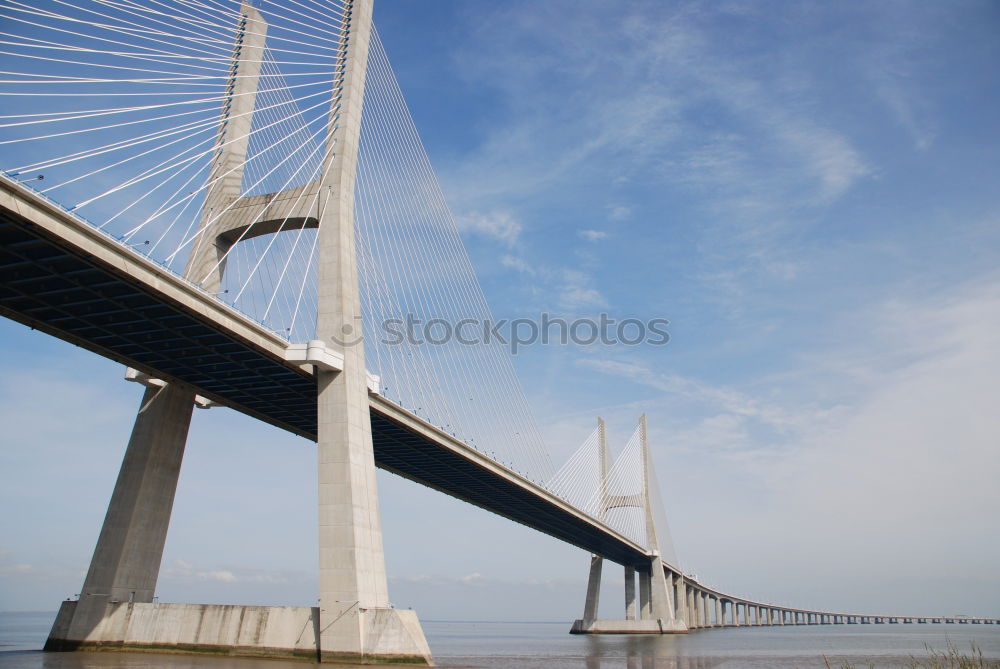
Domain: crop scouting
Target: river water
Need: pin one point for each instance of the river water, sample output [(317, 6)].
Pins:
[(549, 646)]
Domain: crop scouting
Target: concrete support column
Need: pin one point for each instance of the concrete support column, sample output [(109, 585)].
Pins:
[(629, 593), (126, 561), (207, 261), (692, 609), (660, 601), (668, 588), (680, 597), (355, 618), (645, 605), (719, 620), (736, 614), (593, 589)]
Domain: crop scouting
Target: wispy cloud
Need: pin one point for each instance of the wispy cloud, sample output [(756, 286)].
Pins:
[(501, 226), (181, 570), (593, 235), (517, 264), (619, 213), (577, 291), (749, 140)]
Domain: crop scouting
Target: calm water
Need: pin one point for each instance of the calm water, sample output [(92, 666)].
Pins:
[(549, 646)]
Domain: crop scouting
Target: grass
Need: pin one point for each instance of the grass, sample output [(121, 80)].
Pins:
[(952, 658)]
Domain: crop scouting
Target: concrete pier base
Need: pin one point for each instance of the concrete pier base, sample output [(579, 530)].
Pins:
[(658, 626), (389, 636)]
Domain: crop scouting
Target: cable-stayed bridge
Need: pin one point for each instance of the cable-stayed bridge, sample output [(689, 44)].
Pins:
[(233, 201)]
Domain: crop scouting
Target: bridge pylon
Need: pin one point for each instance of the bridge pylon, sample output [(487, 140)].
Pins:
[(354, 621), (656, 612)]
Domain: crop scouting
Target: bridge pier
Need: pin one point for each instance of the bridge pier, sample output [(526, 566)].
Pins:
[(629, 593), (657, 611), (126, 561), (354, 621)]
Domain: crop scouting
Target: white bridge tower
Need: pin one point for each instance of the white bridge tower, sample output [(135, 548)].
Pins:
[(354, 621)]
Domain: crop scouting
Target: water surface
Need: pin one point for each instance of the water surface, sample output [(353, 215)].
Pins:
[(490, 645)]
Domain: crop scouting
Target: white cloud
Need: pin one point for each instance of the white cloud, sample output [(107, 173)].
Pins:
[(518, 264), (185, 571), (828, 156), (619, 213), (18, 568), (577, 293), (592, 235), (732, 402), (498, 225)]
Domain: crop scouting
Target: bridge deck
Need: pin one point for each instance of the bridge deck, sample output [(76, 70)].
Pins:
[(61, 276)]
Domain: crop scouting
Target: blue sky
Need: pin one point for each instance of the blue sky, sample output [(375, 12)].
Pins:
[(806, 191)]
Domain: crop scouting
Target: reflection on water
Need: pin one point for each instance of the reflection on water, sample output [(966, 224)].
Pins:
[(640, 661), (471, 645)]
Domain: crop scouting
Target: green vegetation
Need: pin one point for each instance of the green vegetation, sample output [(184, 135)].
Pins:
[(950, 659)]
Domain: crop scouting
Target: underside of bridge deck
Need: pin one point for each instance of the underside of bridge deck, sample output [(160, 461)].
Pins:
[(55, 286)]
